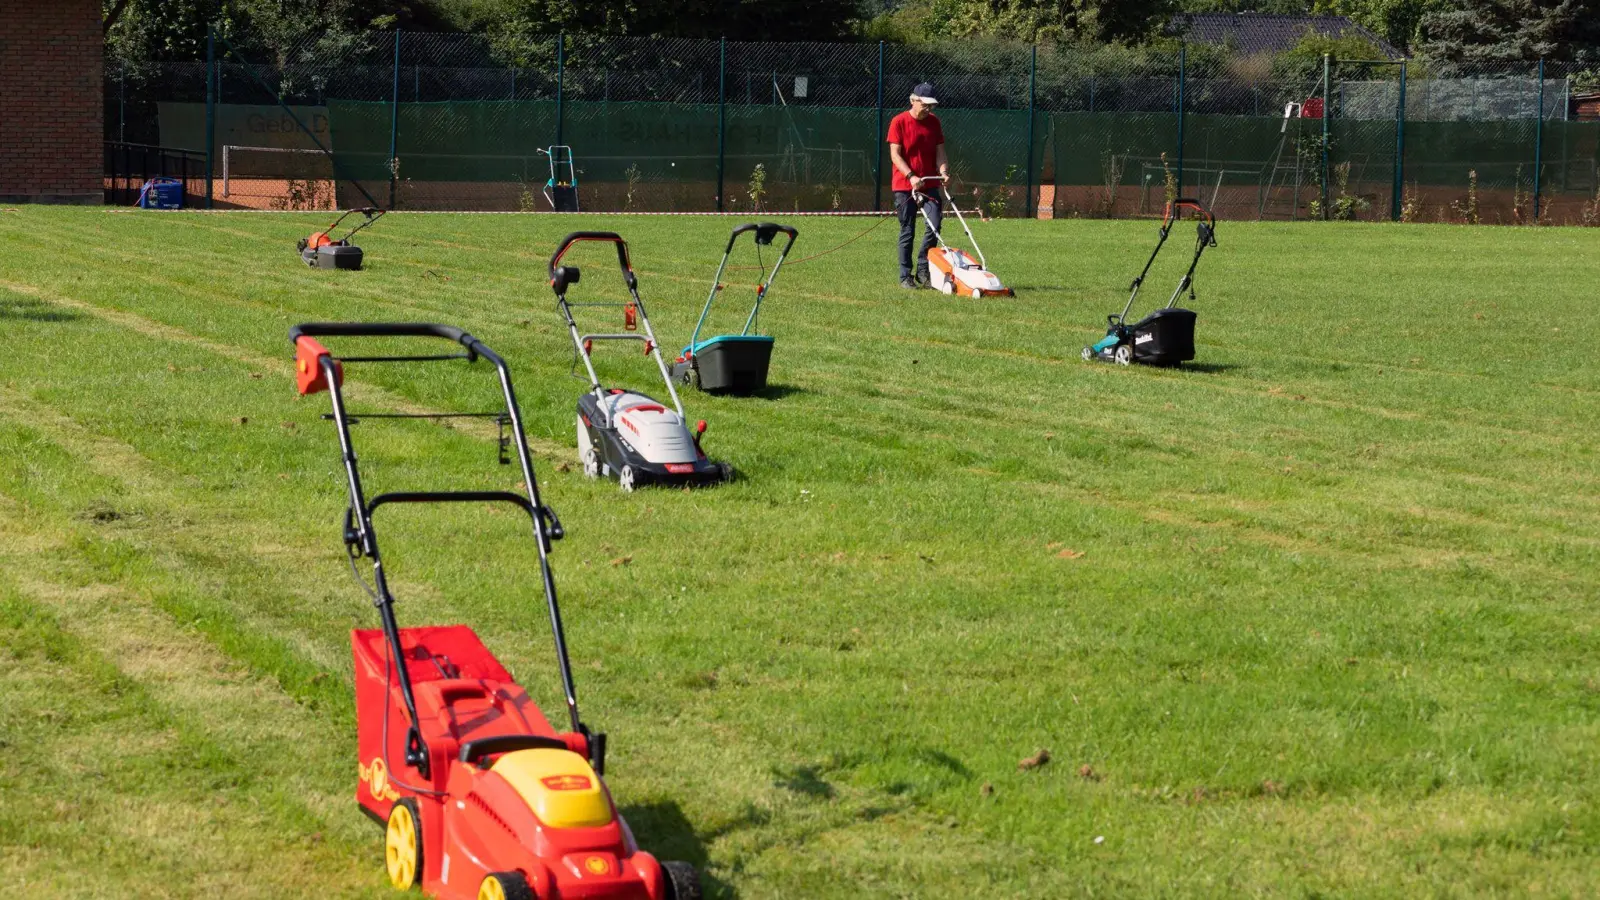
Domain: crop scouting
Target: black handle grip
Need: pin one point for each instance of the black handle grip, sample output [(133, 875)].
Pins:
[(379, 329), (472, 751), (765, 232), (452, 497), (475, 347)]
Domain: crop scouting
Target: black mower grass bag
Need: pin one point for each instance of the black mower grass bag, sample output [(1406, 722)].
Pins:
[(1165, 337), (734, 364)]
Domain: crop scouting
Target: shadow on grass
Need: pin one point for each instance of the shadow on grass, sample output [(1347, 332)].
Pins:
[(945, 761), (779, 391), (662, 829), (1208, 368), (34, 310), (805, 780)]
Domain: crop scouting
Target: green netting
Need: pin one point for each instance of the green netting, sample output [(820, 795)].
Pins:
[(1455, 171), (1247, 167), (1110, 164), (680, 124), (1570, 176), (1360, 169), (666, 155)]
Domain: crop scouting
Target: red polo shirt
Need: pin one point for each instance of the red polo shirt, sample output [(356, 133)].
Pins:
[(919, 141)]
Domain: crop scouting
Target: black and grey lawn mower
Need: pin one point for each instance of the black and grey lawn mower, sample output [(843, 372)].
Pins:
[(323, 251), (624, 434), (1166, 336)]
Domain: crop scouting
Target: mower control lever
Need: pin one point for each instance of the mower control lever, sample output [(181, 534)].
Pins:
[(352, 535), (552, 525), (416, 751)]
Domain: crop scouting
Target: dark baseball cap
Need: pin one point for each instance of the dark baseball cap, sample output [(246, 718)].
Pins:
[(924, 92)]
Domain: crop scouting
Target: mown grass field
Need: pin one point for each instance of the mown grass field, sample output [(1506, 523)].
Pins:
[(1316, 617)]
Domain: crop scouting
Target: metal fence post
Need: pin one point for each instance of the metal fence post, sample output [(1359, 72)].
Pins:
[(722, 118), (561, 85), (1033, 73), (1183, 76), (1399, 148), (211, 111), (877, 140), (1327, 113), (1538, 143), (394, 122)]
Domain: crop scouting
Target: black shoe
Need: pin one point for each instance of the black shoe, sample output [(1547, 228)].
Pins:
[(907, 283), (922, 277)]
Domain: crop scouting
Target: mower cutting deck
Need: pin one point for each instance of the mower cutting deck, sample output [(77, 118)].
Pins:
[(1166, 336), (734, 363), (623, 434), (480, 797)]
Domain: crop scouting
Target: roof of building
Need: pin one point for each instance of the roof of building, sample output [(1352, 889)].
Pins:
[(1252, 33)]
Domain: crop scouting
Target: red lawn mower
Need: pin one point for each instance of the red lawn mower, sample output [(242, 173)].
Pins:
[(480, 797), (324, 251)]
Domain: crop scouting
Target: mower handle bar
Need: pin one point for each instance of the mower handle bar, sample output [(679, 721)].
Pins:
[(1188, 203), (581, 236), (552, 524), (372, 214), (474, 346), (765, 232), (472, 751)]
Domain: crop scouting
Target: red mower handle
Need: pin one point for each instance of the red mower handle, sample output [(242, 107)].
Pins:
[(578, 237), (1187, 203), (563, 276)]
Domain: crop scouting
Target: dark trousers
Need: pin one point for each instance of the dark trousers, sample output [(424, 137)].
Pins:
[(907, 210)]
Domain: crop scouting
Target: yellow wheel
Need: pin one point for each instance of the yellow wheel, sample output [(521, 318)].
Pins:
[(505, 886), (402, 845)]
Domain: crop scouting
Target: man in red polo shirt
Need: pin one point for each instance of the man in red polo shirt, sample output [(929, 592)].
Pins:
[(916, 150)]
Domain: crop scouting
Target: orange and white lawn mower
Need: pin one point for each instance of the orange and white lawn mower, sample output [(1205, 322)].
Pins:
[(951, 269)]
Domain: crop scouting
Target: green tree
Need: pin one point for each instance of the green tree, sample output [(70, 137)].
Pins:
[(1119, 21), (1396, 21), (752, 20), (160, 30), (1512, 30)]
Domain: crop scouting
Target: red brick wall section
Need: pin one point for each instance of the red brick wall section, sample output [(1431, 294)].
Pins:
[(51, 79)]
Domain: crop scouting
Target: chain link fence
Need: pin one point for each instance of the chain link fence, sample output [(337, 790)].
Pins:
[(456, 121)]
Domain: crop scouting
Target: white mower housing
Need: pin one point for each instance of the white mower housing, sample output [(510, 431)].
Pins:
[(952, 271), (655, 432)]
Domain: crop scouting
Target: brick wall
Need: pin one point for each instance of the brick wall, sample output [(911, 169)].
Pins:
[(51, 81)]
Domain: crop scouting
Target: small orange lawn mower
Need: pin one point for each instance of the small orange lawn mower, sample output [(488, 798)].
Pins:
[(479, 796), (952, 270), (322, 251)]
